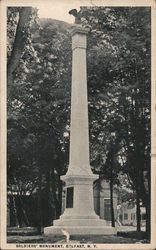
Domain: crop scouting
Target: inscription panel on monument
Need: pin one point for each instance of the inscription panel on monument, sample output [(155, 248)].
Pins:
[(69, 197)]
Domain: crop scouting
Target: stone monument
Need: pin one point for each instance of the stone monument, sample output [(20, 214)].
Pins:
[(79, 217)]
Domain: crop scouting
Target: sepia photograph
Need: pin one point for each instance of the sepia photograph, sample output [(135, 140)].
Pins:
[(77, 169)]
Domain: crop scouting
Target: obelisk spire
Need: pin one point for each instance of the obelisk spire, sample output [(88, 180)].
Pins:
[(79, 135)]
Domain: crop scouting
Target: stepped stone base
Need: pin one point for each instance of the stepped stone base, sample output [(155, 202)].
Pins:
[(85, 230), (80, 227)]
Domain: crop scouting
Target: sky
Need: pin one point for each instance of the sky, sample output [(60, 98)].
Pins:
[(58, 10)]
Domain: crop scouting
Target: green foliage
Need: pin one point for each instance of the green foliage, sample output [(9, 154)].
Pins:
[(119, 64)]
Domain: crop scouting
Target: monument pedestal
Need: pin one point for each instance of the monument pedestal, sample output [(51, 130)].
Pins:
[(79, 217)]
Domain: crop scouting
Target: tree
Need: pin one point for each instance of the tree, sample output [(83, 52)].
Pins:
[(19, 20), (120, 40), (37, 116)]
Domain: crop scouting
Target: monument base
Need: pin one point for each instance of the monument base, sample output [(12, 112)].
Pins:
[(80, 230), (80, 218), (80, 227)]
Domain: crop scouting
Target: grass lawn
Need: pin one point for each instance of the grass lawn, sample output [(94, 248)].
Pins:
[(29, 235)]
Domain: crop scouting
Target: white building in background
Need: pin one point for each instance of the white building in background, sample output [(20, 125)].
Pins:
[(124, 213), (127, 214)]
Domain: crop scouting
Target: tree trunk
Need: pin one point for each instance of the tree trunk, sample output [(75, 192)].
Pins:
[(25, 217), (60, 184), (59, 187), (111, 198), (19, 212), (48, 215), (18, 46), (138, 215), (56, 216), (39, 204), (60, 195), (148, 207), (13, 214)]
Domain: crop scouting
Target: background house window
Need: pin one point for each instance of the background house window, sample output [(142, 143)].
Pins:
[(133, 216), (107, 209), (143, 216), (125, 216), (69, 197), (120, 217)]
